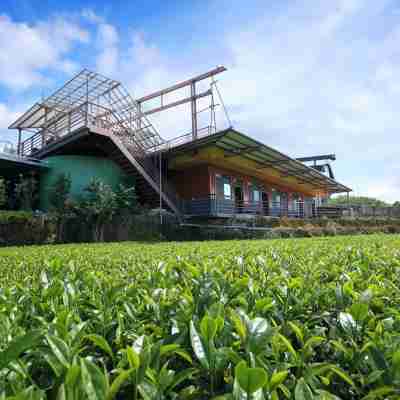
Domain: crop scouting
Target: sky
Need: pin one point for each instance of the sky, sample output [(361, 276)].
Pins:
[(305, 77)]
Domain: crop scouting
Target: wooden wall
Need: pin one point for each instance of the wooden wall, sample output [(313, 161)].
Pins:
[(198, 182), (247, 181), (192, 183)]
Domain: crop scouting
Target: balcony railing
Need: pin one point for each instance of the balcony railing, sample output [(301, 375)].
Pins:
[(212, 206)]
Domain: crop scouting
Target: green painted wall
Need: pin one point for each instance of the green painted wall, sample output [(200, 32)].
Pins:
[(81, 170)]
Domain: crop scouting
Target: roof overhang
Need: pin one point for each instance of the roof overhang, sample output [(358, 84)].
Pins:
[(10, 164), (261, 157)]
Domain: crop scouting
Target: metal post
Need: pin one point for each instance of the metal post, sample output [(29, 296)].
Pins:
[(160, 168), (19, 141), (140, 115), (45, 127), (87, 101), (194, 110)]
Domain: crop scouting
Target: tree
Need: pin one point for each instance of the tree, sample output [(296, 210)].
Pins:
[(3, 192), (26, 192), (102, 203), (60, 202), (357, 201), (396, 204)]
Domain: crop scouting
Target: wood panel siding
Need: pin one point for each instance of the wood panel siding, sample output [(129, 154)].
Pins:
[(192, 183), (214, 156)]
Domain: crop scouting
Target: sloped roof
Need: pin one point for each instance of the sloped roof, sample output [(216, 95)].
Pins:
[(235, 143)]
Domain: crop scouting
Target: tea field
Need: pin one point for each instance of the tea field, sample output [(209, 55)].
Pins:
[(286, 319)]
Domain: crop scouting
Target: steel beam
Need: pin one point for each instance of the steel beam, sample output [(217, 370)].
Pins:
[(247, 149), (193, 108), (176, 103), (317, 158), (180, 85)]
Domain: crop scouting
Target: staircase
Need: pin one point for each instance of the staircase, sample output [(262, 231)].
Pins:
[(90, 100), (147, 177)]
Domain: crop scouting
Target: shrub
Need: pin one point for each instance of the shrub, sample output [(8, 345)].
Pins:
[(3, 192), (26, 192)]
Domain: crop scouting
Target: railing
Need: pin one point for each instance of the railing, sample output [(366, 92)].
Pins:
[(93, 115), (56, 128), (188, 137), (212, 206)]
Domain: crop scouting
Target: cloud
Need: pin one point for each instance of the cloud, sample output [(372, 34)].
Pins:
[(91, 16), (107, 43), (387, 189), (311, 80), (7, 116), (27, 52), (305, 77)]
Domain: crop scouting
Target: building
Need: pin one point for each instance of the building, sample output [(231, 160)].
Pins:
[(92, 127)]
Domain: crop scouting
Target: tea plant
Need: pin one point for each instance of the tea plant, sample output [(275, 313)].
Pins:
[(290, 319)]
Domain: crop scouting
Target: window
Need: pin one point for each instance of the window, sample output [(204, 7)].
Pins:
[(294, 203), (256, 195), (227, 190), (276, 197), (255, 192), (223, 187)]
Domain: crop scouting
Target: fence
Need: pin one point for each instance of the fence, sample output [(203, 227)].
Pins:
[(212, 206), (370, 211)]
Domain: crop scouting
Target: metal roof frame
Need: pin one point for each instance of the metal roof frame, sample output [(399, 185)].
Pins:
[(90, 96), (240, 145)]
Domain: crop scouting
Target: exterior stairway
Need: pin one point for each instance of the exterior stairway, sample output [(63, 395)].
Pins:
[(146, 174), (100, 104)]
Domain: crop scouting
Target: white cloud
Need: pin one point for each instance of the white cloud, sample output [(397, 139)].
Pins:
[(387, 189), (91, 16), (319, 81), (107, 43), (310, 77), (27, 51), (7, 116)]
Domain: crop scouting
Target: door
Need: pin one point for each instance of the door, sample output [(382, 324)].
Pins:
[(238, 199), (265, 203), (284, 204)]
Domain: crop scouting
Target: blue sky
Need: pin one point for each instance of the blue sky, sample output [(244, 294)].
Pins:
[(306, 77)]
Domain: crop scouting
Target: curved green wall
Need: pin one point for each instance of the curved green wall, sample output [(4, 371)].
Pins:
[(81, 169)]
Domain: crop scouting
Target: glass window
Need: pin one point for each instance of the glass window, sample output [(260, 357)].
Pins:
[(227, 190), (293, 204), (223, 187), (256, 195), (255, 192), (276, 198)]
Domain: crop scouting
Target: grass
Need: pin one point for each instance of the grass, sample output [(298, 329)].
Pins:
[(297, 318)]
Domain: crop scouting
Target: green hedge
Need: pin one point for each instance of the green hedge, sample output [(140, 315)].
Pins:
[(22, 228)]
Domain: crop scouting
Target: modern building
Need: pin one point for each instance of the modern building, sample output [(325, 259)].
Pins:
[(92, 127)]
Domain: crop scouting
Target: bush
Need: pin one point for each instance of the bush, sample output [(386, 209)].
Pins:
[(26, 192), (23, 227), (3, 192)]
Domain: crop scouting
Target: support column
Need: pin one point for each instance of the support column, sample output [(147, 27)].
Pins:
[(194, 110), (161, 187), (140, 116), (19, 141), (69, 122), (87, 102), (44, 133)]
